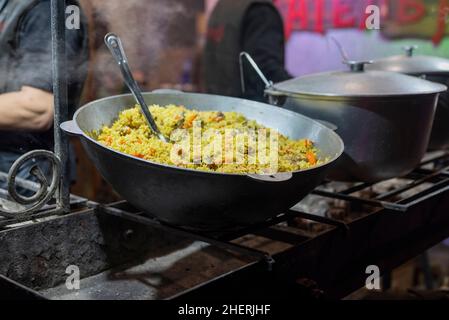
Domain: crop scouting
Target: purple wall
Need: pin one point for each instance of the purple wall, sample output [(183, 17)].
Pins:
[(309, 52)]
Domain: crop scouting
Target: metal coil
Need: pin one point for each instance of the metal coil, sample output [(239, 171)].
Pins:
[(45, 192)]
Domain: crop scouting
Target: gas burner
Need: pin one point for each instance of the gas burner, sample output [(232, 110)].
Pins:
[(397, 195)]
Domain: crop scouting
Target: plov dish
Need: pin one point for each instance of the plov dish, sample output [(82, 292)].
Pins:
[(239, 141)]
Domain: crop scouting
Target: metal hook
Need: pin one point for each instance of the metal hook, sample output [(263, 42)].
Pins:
[(45, 192), (268, 84), (355, 66)]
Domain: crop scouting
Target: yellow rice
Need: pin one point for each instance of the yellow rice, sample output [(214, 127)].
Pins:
[(130, 134)]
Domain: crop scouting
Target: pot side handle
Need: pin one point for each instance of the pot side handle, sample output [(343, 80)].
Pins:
[(71, 128), (273, 92), (275, 98), (278, 177)]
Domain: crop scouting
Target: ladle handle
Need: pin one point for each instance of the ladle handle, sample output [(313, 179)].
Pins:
[(341, 49), (114, 44), (355, 66), (268, 84)]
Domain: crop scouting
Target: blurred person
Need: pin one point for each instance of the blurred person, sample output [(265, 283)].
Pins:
[(254, 26), (26, 99)]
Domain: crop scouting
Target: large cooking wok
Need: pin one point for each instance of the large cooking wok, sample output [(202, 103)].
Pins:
[(203, 200)]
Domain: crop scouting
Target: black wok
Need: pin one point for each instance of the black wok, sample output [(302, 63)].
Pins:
[(203, 200)]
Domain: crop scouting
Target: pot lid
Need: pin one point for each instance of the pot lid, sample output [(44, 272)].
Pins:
[(412, 64), (357, 82)]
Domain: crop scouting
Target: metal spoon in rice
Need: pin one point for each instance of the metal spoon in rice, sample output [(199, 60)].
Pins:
[(114, 44)]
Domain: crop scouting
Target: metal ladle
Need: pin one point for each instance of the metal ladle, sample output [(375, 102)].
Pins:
[(114, 44), (354, 65), (268, 83)]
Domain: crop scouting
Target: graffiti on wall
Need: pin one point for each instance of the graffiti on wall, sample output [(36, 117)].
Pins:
[(427, 19)]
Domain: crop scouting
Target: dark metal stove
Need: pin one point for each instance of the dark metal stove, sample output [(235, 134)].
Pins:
[(123, 254)]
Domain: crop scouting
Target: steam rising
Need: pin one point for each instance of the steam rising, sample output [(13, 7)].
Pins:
[(143, 25), (147, 29)]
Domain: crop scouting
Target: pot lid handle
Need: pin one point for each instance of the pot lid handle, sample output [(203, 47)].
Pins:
[(357, 66), (409, 50), (268, 84)]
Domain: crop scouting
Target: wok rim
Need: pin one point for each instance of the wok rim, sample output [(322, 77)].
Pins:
[(166, 166)]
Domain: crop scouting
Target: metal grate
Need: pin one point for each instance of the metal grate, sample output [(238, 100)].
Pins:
[(222, 240), (429, 180)]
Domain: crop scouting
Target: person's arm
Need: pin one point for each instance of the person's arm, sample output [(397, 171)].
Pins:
[(30, 109), (263, 38)]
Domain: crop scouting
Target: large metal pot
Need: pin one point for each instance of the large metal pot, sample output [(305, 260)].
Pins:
[(203, 200), (431, 68), (384, 118)]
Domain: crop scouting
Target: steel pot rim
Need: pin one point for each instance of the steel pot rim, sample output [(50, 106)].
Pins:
[(339, 97)]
